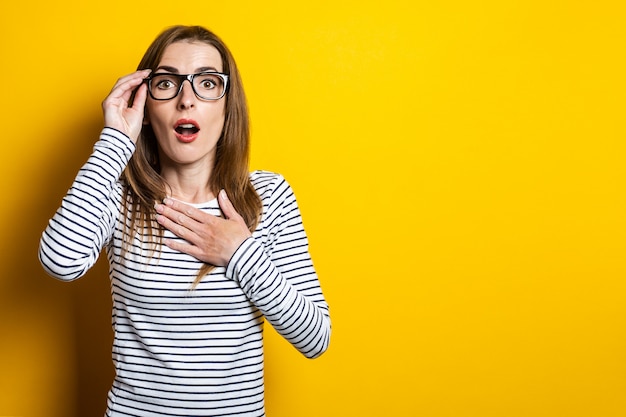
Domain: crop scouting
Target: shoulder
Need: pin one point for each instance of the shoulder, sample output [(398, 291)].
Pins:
[(271, 187), (265, 182)]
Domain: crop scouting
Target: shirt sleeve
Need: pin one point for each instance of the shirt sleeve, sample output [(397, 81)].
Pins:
[(275, 270), (80, 228)]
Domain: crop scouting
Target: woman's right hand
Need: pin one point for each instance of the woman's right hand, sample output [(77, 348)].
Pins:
[(117, 114)]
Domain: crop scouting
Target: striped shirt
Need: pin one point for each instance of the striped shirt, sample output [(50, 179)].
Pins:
[(178, 351)]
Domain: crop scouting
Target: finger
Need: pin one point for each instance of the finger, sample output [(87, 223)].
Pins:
[(139, 100), (184, 227), (118, 99), (173, 226), (135, 77), (124, 87), (227, 207), (183, 220), (175, 208), (182, 247)]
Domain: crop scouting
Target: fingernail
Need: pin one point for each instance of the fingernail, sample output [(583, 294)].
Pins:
[(223, 194)]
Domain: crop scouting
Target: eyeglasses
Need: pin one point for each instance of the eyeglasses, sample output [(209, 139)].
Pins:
[(205, 85)]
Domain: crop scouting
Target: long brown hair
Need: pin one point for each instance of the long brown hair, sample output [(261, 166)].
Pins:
[(144, 184)]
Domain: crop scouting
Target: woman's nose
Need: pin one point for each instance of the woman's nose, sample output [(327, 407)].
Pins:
[(187, 97)]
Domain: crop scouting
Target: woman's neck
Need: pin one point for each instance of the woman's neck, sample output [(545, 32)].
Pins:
[(188, 184)]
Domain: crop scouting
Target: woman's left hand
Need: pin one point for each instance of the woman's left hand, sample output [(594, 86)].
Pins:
[(209, 238)]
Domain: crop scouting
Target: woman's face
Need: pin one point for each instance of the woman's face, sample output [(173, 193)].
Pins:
[(187, 128)]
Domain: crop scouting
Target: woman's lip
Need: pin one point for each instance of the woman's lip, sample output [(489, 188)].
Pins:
[(186, 122), (186, 135), (186, 138)]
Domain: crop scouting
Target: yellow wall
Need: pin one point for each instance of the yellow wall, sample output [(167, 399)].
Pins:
[(460, 167)]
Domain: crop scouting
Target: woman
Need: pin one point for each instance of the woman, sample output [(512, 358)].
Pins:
[(201, 251)]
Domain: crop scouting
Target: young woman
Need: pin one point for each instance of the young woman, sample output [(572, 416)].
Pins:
[(201, 251)]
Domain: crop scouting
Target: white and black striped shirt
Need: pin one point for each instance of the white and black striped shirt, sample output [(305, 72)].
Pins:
[(177, 351)]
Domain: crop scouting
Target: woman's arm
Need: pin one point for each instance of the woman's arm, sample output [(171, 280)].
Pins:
[(278, 275), (76, 234)]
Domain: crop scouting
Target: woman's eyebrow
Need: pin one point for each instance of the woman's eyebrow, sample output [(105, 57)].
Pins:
[(206, 69), (173, 70), (167, 68)]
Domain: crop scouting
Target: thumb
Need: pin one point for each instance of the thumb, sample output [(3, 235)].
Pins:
[(139, 98), (227, 207)]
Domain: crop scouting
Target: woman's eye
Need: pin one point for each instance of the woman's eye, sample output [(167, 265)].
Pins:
[(165, 84), (207, 84)]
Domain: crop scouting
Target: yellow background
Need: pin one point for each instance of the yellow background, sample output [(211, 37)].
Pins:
[(460, 169)]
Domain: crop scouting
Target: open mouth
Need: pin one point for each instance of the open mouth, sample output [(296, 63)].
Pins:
[(187, 129)]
